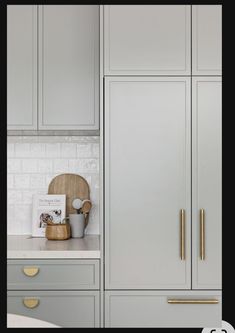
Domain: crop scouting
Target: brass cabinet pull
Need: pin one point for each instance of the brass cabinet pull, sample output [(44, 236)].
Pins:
[(182, 234), (202, 234), (31, 271), (193, 301), (31, 303)]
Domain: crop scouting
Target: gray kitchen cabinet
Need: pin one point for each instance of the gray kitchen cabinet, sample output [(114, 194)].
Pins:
[(53, 67), (147, 183), (69, 67), (147, 40), (21, 67), (63, 308), (163, 309), (207, 182), (52, 274), (65, 292), (206, 40)]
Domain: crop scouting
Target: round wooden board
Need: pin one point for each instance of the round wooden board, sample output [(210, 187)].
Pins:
[(74, 186)]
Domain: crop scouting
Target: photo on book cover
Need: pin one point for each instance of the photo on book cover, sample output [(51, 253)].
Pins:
[(47, 209)]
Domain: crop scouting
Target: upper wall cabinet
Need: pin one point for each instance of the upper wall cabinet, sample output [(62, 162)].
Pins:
[(69, 67), (147, 40), (54, 87), (207, 40), (22, 67)]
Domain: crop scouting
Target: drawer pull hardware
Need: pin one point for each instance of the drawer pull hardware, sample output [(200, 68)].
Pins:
[(31, 271), (31, 303), (182, 234), (202, 234), (192, 301)]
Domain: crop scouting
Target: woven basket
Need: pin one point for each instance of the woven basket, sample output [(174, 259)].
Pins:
[(58, 231)]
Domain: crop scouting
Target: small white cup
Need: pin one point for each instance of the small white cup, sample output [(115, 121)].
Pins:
[(77, 224)]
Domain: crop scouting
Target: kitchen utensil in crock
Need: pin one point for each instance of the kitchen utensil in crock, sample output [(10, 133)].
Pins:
[(77, 204), (86, 206)]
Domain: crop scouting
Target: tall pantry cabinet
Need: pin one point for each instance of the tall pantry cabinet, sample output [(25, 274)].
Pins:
[(162, 130)]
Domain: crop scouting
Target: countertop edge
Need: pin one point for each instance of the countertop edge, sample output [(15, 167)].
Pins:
[(53, 254)]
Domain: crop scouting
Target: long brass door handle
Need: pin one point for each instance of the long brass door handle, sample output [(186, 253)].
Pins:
[(202, 234), (182, 234), (31, 303), (192, 301), (31, 271)]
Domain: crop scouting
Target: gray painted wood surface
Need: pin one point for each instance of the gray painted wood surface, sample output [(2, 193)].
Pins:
[(147, 182), (69, 67), (63, 308), (147, 40), (207, 180), (207, 40), (21, 67), (150, 309), (53, 274)]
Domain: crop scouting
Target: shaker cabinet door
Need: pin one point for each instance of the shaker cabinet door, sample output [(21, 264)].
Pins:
[(207, 40), (69, 67), (206, 218), (21, 67), (147, 183), (147, 40)]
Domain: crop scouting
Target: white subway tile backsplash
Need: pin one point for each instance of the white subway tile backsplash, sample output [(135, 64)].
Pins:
[(68, 150), (14, 197), (48, 179), (84, 150), (22, 181), (10, 181), (52, 150), (10, 150), (13, 165), (29, 166), (45, 165), (95, 150), (89, 165), (22, 150), (38, 150), (37, 181), (61, 165), (34, 161), (10, 217), (27, 196)]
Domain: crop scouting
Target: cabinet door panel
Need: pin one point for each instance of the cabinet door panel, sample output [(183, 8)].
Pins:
[(62, 308), (21, 67), (207, 181), (69, 67), (147, 40), (207, 40), (151, 309), (147, 182)]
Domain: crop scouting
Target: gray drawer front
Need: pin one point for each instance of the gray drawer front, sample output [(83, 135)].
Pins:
[(53, 274), (151, 309), (63, 308)]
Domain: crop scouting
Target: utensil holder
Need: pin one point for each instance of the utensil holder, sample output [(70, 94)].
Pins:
[(77, 224)]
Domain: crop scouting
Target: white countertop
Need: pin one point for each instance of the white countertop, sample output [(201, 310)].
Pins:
[(26, 247)]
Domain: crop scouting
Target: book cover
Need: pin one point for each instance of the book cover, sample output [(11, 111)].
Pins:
[(47, 209)]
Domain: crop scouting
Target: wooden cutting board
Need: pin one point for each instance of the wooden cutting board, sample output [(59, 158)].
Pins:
[(74, 186)]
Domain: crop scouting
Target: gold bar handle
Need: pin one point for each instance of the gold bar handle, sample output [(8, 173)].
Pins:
[(193, 301), (182, 234), (30, 271), (202, 234), (31, 303)]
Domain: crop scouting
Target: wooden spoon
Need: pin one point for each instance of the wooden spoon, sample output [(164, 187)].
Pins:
[(86, 206)]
